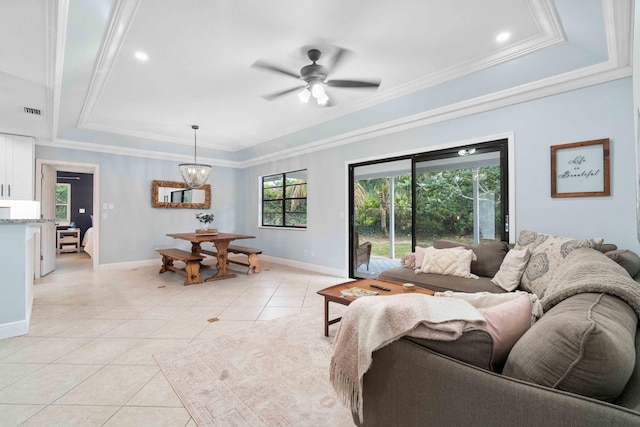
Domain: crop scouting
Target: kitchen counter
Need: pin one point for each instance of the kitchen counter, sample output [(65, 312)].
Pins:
[(17, 261), (26, 221)]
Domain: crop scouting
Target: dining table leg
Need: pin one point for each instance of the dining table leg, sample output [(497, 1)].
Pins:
[(221, 247)]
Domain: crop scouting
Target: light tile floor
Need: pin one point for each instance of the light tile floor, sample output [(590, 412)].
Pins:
[(88, 358)]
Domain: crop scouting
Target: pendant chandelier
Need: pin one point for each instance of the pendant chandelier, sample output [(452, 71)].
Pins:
[(194, 174)]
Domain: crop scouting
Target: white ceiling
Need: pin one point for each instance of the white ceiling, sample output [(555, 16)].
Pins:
[(74, 60)]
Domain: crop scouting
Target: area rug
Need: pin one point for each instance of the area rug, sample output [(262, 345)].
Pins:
[(273, 374)]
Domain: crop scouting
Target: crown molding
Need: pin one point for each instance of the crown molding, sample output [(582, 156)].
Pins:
[(153, 136), (134, 152), (119, 23), (124, 12), (618, 26), (584, 77)]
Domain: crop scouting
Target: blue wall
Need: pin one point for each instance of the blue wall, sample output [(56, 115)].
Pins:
[(134, 229), (602, 111)]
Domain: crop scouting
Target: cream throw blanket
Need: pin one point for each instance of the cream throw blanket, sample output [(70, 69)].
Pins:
[(588, 270), (371, 323)]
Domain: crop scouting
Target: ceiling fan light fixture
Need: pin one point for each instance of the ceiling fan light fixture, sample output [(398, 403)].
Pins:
[(323, 99), (194, 174), (317, 91), (304, 95)]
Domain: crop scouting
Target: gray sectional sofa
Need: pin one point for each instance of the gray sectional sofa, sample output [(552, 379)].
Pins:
[(578, 365)]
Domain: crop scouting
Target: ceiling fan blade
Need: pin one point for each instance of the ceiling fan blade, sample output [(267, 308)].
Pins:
[(275, 95), (353, 83), (275, 68), (336, 59)]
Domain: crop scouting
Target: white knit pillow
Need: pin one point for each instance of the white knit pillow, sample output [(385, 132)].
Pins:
[(423, 255), (450, 262), (511, 269)]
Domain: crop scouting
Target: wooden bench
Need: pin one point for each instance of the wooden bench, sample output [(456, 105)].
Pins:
[(192, 264), (251, 253)]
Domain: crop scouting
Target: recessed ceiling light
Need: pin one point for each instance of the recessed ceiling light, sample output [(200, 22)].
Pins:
[(141, 56), (503, 37)]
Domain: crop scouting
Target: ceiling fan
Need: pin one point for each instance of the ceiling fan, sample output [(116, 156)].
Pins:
[(314, 77)]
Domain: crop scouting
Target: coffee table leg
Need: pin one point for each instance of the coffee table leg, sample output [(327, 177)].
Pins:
[(326, 317)]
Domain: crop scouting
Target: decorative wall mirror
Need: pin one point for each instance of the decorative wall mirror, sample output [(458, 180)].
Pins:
[(171, 194)]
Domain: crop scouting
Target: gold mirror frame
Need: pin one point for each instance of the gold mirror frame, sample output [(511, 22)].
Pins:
[(156, 184)]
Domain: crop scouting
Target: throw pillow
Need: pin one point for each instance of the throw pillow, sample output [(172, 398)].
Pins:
[(583, 345), (512, 268), (489, 255), (547, 252), (419, 256), (408, 261), (449, 262), (506, 323)]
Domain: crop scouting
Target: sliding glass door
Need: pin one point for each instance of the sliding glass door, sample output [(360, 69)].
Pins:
[(461, 195), (396, 204), (381, 213)]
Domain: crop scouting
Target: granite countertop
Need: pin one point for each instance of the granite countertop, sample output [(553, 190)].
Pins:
[(27, 221)]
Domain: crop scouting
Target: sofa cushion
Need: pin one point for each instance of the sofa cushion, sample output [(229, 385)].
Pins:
[(512, 268), (474, 347), (629, 260), (547, 253), (583, 345), (440, 282), (489, 255)]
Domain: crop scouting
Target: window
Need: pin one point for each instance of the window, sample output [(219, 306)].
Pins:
[(63, 204), (284, 200)]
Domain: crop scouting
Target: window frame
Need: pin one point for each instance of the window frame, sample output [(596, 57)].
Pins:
[(283, 200), (67, 221)]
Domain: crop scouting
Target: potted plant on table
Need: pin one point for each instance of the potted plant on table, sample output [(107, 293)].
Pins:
[(206, 219)]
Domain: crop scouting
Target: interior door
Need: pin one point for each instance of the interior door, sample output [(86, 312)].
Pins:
[(48, 230)]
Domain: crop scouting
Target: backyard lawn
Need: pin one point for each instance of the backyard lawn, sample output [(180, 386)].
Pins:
[(380, 244)]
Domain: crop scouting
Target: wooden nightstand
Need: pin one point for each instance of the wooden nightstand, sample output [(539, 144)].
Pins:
[(68, 240)]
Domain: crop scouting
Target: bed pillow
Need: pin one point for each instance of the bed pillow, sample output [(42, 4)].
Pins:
[(547, 253), (449, 262), (512, 268)]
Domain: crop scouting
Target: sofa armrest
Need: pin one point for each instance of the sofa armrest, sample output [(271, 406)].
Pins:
[(410, 385)]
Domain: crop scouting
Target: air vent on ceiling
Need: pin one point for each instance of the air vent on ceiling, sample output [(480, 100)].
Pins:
[(34, 111)]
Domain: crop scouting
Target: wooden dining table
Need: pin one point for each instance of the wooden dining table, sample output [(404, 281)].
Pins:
[(221, 242)]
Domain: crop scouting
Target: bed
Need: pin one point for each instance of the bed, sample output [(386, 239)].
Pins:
[(87, 241)]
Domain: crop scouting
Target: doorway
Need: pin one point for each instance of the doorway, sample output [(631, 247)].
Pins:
[(58, 185)]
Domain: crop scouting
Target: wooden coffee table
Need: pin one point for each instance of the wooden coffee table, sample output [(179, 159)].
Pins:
[(332, 294)]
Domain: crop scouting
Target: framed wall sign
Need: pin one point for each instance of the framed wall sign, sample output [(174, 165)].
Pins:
[(580, 169)]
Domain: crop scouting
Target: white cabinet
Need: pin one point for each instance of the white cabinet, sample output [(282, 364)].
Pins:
[(16, 167)]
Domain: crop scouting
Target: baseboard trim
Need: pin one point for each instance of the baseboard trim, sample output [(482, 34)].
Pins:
[(14, 329), (130, 264), (305, 266), (282, 261)]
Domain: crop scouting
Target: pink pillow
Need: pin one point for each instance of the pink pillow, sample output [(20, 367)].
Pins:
[(506, 323), (419, 256)]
